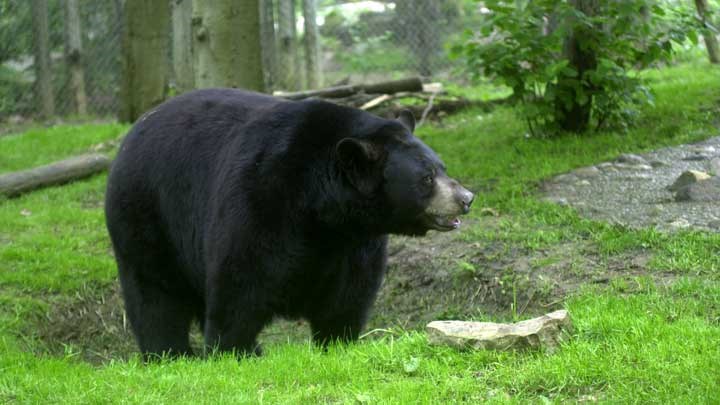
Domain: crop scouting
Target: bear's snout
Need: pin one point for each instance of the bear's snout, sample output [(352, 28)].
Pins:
[(450, 198), (465, 198)]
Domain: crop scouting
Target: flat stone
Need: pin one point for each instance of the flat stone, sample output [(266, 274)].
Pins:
[(687, 178), (583, 183), (714, 166), (546, 332), (707, 190), (587, 172), (631, 159)]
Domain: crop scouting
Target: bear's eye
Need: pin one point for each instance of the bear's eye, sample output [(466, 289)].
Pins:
[(428, 180)]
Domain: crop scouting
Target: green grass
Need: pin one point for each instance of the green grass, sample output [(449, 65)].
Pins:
[(42, 146), (635, 341)]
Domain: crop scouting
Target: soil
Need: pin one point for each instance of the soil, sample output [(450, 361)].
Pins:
[(440, 276)]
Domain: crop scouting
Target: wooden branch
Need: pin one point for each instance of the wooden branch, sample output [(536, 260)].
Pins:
[(390, 87), (427, 110), (376, 102), (13, 184)]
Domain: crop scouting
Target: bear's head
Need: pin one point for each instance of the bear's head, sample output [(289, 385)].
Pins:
[(405, 178)]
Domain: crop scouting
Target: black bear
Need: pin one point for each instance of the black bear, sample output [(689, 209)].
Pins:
[(232, 208)]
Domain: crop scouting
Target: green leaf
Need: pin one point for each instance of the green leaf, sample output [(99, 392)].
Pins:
[(411, 365)]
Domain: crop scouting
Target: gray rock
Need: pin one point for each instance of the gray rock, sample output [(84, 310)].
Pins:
[(557, 200), (638, 176), (704, 150), (680, 223), (583, 183), (546, 331), (565, 178), (587, 172), (696, 157), (657, 163), (604, 165), (706, 190), (687, 178), (625, 166), (714, 224), (656, 210), (631, 159), (714, 166)]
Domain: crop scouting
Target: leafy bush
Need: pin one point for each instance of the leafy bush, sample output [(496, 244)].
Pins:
[(564, 61)]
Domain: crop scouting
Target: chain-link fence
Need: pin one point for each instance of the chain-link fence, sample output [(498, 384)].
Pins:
[(359, 41), (100, 24)]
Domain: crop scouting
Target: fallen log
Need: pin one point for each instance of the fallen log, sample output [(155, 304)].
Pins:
[(78, 167), (389, 87)]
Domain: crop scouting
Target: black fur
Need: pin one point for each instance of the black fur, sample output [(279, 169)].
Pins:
[(232, 208)]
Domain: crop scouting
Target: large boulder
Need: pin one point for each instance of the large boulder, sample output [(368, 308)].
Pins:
[(714, 166), (706, 190), (687, 178), (546, 332)]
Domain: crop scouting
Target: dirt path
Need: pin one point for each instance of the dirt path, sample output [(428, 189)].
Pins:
[(632, 190)]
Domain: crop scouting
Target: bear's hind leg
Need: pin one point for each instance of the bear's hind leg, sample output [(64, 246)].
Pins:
[(160, 318), (340, 328), (233, 326)]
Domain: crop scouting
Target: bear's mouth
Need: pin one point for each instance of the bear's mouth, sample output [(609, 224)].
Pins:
[(443, 223)]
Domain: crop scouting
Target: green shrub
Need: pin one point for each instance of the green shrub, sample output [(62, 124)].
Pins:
[(563, 62)]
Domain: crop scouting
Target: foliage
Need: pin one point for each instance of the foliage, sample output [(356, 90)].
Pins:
[(15, 92), (524, 44)]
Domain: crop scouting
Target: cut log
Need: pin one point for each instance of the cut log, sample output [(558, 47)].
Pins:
[(13, 184), (390, 87)]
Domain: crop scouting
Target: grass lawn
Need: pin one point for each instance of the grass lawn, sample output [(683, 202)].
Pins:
[(635, 339)]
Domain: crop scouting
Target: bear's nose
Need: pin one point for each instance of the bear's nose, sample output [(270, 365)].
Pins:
[(466, 198)]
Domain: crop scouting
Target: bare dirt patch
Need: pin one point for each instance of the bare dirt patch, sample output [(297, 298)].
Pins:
[(440, 276)]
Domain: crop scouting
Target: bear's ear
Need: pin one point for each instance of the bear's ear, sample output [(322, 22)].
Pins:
[(360, 160), (407, 118)]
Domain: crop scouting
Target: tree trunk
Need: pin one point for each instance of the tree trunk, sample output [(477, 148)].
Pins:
[(145, 57), (74, 55), (312, 45), (267, 25), (41, 46), (288, 63), (711, 42), (226, 36), (576, 117), (182, 45)]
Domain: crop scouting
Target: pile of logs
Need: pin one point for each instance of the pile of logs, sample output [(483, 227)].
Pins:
[(385, 99), (388, 98)]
